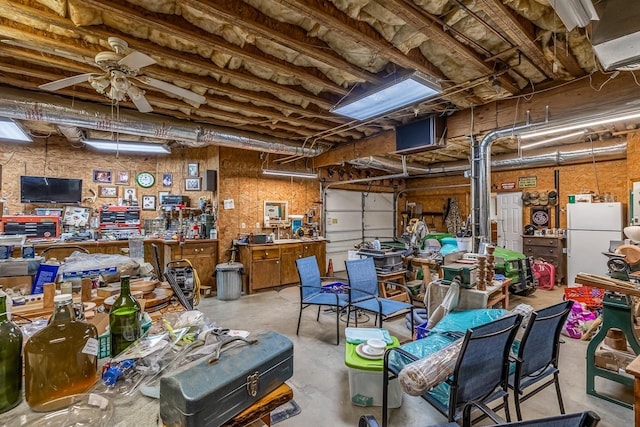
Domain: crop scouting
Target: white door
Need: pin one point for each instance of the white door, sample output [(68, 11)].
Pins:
[(509, 220)]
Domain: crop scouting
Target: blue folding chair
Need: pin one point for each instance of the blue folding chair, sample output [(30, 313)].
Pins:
[(538, 351), (312, 293), (480, 374), (363, 292)]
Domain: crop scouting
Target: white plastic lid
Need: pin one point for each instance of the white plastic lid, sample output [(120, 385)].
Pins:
[(63, 298)]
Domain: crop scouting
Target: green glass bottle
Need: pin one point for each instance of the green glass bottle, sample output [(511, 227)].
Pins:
[(124, 319), (10, 360)]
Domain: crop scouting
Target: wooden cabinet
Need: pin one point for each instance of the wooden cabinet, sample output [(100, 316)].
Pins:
[(319, 249), (288, 270), (549, 249), (202, 254), (272, 265)]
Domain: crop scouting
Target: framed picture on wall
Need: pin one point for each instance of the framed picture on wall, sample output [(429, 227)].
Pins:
[(192, 184), (149, 203), (167, 180), (107, 191), (122, 177), (102, 176), (161, 194), (129, 194), (192, 169)]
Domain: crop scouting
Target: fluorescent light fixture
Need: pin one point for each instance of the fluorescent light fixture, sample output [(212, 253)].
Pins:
[(390, 97), (11, 131), (293, 174), (575, 13), (128, 146), (580, 125), (554, 139)]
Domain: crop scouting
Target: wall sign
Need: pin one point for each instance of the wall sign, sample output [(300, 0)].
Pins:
[(540, 216), (527, 182), (508, 185)]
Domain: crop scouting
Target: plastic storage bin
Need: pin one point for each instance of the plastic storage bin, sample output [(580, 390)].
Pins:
[(365, 379), (229, 280)]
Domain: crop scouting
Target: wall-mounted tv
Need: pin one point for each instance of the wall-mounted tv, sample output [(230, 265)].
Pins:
[(40, 189)]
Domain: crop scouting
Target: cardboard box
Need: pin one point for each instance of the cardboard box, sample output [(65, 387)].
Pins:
[(21, 284)]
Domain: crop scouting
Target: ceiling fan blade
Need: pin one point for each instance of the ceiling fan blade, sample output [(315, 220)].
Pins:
[(139, 100), (136, 60), (69, 81), (173, 89)]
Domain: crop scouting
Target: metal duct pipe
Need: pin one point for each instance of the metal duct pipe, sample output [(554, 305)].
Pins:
[(550, 156), (384, 164), (24, 105), (72, 133)]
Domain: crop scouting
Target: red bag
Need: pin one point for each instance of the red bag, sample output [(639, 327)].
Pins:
[(545, 272)]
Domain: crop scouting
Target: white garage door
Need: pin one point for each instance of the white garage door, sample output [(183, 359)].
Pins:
[(353, 216)]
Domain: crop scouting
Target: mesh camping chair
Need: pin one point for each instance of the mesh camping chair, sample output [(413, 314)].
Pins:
[(538, 351), (480, 374), (363, 293), (312, 293)]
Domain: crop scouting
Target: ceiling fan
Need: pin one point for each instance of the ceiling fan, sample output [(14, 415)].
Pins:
[(119, 71)]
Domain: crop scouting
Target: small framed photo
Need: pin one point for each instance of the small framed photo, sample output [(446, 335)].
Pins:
[(149, 203), (122, 177), (129, 194), (192, 169), (192, 184), (102, 176), (167, 180), (161, 195), (107, 191)]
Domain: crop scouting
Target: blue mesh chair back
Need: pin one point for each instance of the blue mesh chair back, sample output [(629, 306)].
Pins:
[(363, 279), (364, 295), (538, 353), (311, 292), (482, 368), (310, 279)]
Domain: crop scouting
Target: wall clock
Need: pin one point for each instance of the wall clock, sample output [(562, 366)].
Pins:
[(145, 179)]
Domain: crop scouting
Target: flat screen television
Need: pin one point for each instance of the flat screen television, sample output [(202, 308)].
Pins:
[(40, 189)]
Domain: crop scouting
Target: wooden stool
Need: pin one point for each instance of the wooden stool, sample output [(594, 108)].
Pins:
[(388, 290)]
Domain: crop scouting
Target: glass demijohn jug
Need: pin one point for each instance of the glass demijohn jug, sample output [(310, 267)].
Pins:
[(10, 360), (124, 319), (61, 359)]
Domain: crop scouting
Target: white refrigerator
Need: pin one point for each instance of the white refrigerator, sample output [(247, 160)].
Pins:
[(590, 228)]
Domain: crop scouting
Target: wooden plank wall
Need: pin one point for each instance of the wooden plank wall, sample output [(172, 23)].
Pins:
[(241, 181), (601, 177)]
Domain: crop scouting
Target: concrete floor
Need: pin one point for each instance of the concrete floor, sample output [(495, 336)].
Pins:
[(321, 383)]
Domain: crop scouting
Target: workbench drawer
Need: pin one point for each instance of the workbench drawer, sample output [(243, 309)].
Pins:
[(267, 253), (542, 241), (537, 251)]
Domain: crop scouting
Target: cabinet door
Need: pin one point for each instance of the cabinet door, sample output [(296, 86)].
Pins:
[(203, 257), (288, 270), (265, 274), (319, 250)]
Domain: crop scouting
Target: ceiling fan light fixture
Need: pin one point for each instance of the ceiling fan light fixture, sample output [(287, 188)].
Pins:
[(290, 174), (11, 131), (100, 83), (127, 146), (397, 94)]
